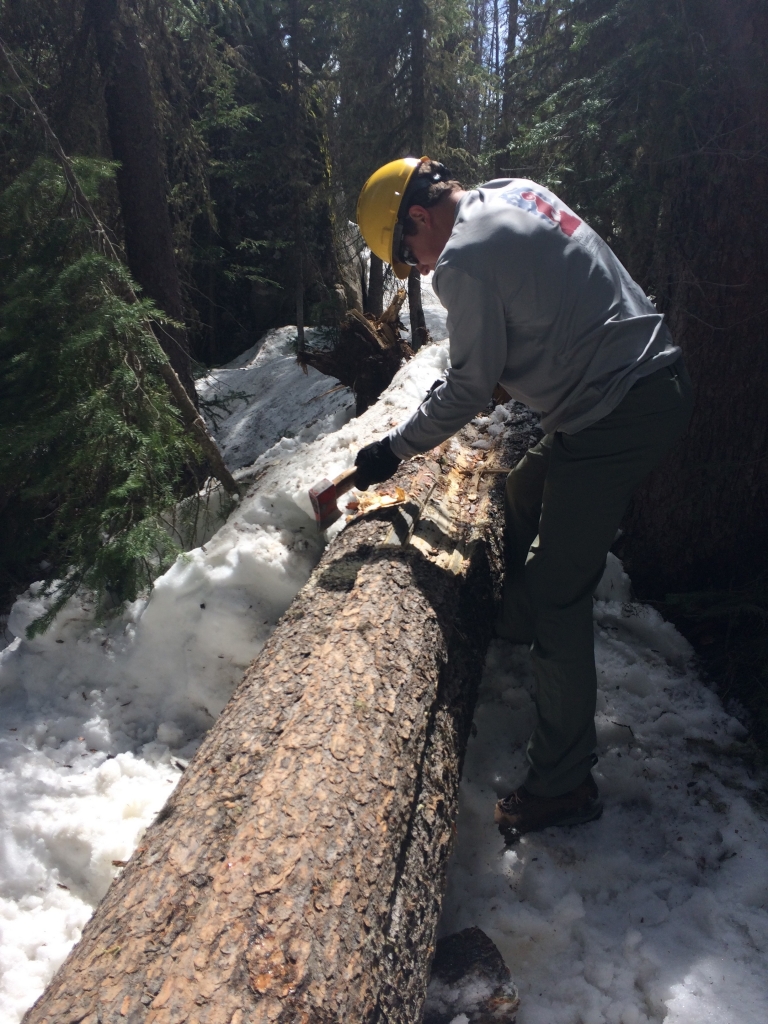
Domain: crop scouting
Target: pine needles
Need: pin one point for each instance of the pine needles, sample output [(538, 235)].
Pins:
[(92, 451)]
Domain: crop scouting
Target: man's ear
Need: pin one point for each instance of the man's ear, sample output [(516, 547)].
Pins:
[(420, 215)]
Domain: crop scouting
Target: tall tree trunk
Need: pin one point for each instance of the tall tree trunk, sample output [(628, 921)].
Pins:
[(189, 412), (418, 29), (141, 179), (419, 334), (298, 257), (375, 297), (506, 122), (701, 522), (298, 191), (212, 325), (475, 100), (297, 872)]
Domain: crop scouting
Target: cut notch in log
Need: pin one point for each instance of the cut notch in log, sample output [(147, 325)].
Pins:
[(297, 872)]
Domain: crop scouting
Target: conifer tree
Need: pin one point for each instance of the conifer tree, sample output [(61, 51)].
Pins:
[(417, 25), (141, 176), (506, 111), (402, 74), (92, 451)]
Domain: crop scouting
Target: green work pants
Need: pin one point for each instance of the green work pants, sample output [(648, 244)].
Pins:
[(564, 502)]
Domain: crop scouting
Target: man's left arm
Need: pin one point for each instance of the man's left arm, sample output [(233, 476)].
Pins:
[(478, 352)]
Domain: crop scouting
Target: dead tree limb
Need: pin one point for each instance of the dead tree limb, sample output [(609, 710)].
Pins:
[(297, 872), (367, 353)]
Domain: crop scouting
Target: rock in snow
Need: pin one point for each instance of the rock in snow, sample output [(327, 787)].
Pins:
[(471, 981), (655, 913)]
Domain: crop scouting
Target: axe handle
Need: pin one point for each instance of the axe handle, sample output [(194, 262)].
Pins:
[(345, 481)]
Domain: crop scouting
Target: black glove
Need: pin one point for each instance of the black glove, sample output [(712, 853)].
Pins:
[(375, 463)]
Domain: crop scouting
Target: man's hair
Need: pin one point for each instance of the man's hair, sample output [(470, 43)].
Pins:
[(430, 184)]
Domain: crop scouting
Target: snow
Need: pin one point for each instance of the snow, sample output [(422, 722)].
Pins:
[(655, 913), (262, 396)]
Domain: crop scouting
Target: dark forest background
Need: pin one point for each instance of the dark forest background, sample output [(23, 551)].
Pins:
[(223, 145)]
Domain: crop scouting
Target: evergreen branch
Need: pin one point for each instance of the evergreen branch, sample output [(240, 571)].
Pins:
[(192, 419)]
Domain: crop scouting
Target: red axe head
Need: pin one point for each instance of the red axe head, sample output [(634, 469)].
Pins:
[(324, 497)]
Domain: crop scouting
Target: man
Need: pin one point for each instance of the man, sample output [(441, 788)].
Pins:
[(539, 303)]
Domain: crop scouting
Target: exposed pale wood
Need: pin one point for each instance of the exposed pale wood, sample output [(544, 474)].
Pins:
[(296, 873)]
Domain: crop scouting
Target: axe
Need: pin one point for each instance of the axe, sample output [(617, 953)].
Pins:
[(325, 495)]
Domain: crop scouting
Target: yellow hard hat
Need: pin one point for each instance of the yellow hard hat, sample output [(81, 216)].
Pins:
[(379, 205)]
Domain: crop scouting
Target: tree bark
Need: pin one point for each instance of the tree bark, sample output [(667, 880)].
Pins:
[(141, 179), (374, 303), (474, 99), (298, 185), (419, 334), (506, 123), (417, 19), (297, 872)]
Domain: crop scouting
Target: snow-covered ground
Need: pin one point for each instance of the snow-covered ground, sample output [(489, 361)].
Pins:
[(262, 398), (657, 912)]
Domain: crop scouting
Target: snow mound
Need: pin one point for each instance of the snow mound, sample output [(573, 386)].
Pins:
[(264, 395)]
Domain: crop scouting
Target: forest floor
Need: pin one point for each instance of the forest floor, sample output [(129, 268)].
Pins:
[(655, 913)]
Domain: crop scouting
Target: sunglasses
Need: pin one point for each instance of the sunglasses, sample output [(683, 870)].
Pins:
[(400, 249)]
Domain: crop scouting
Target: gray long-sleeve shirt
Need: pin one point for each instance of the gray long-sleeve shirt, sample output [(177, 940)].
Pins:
[(538, 303)]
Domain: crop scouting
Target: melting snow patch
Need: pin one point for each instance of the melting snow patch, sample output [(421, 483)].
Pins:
[(657, 912), (263, 398)]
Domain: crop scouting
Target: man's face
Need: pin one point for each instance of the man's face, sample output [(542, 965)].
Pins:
[(433, 229)]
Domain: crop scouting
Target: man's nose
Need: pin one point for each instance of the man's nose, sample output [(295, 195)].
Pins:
[(424, 268)]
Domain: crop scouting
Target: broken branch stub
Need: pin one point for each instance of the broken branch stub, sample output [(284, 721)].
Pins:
[(366, 355), (296, 874)]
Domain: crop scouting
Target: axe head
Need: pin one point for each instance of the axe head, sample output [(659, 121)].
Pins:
[(323, 498), (325, 495)]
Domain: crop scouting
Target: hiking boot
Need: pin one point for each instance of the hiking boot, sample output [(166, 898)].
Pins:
[(522, 812)]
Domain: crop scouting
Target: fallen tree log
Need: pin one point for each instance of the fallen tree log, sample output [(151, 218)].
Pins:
[(296, 873)]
